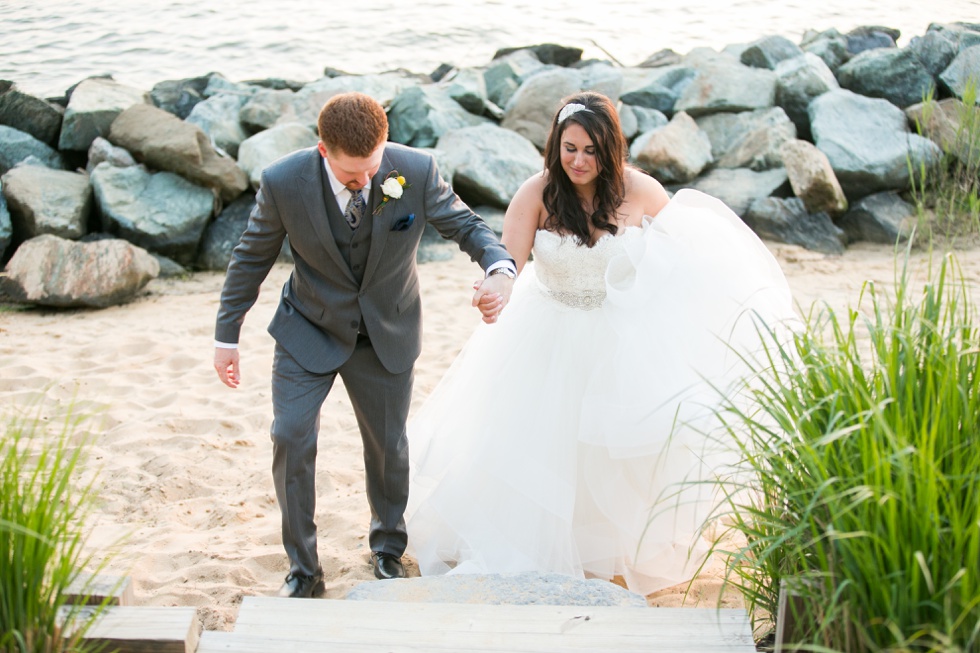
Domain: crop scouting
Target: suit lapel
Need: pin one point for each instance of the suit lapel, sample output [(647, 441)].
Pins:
[(381, 223), (312, 192)]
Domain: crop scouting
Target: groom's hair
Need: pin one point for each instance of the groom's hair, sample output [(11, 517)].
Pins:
[(354, 124)]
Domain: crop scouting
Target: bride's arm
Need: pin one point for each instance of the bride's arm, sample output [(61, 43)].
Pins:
[(650, 194), (523, 217)]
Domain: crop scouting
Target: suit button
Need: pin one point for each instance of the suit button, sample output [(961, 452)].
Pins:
[(354, 324)]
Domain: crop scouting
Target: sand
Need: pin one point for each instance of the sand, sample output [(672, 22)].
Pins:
[(185, 496)]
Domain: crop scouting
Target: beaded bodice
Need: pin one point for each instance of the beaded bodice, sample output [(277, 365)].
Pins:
[(574, 274)]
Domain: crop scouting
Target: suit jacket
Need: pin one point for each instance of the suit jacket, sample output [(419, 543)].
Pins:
[(322, 304)]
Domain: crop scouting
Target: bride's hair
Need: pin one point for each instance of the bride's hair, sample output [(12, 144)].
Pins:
[(596, 114)]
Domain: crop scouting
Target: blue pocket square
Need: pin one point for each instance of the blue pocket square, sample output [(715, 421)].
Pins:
[(401, 224)]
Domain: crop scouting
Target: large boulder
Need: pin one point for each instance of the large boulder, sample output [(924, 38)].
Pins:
[(468, 87), (768, 51), (29, 114), (46, 201), (547, 53), (505, 75), (868, 142), (799, 80), (870, 37), (218, 117), (812, 178), (659, 88), (675, 153), (256, 152), (94, 105), (266, 106), (935, 50), (163, 141), (489, 162), (788, 221), (724, 84), (179, 96), (952, 125), (52, 271), (532, 108), (419, 115), (829, 45), (963, 71), (740, 187), (102, 150), (889, 73), (880, 218), (161, 212), (750, 139), (224, 233), (17, 146), (6, 226), (383, 87)]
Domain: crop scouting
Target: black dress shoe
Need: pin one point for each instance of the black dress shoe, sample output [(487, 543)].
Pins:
[(387, 566), (298, 586)]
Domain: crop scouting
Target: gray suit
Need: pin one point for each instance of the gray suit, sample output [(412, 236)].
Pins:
[(351, 307)]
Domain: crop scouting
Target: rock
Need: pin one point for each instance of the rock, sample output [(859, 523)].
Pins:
[(602, 77), (892, 74), (964, 35), (868, 142), (648, 119), (798, 81), (787, 221), (723, 84), (17, 146), (958, 75), (660, 89), (258, 151), (675, 153), (879, 218), (218, 117), (750, 139), (935, 50), (812, 178), (489, 162), (665, 57), (951, 125), (266, 106), (6, 226), (532, 108), (468, 87), (179, 96), (46, 201), (493, 216), (832, 50), (869, 37), (547, 53), (383, 87), (627, 121), (739, 187), (161, 212), (768, 51), (30, 114), (94, 105), (102, 150), (163, 141), (224, 233), (52, 271), (419, 115), (499, 589), (504, 76)]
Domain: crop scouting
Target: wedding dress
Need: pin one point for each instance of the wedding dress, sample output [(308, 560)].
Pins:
[(578, 434)]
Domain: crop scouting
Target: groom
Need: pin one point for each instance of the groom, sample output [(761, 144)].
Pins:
[(354, 208)]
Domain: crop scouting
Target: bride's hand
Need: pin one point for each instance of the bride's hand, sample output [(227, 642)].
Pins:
[(491, 296)]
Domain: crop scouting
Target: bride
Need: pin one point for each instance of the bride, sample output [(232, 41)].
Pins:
[(576, 433)]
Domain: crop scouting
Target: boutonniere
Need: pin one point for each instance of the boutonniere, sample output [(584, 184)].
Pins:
[(393, 186)]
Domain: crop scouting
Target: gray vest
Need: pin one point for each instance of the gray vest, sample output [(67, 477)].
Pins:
[(354, 245)]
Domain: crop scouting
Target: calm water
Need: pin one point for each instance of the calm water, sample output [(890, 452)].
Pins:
[(47, 45)]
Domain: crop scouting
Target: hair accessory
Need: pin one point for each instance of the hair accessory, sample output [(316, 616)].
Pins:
[(569, 109)]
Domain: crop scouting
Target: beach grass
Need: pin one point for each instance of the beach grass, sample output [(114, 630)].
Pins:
[(859, 481), (42, 536)]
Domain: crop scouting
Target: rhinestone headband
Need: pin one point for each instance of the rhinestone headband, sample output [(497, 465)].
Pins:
[(569, 109)]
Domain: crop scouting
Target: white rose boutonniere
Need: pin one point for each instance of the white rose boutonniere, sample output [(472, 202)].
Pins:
[(393, 186)]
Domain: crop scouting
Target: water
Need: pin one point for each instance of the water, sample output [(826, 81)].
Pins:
[(48, 45)]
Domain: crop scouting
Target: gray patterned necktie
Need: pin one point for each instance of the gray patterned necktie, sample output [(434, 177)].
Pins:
[(355, 209)]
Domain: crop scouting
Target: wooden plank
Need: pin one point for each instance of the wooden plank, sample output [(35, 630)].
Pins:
[(118, 589), (129, 629), (437, 626)]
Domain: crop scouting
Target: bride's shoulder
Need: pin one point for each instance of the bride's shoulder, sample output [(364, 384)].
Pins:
[(645, 191)]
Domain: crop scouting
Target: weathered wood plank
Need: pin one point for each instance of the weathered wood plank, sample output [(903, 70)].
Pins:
[(118, 589), (129, 629)]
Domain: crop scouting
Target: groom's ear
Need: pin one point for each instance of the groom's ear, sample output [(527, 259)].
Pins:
[(322, 149)]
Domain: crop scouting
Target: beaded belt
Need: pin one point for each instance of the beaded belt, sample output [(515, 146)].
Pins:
[(583, 301)]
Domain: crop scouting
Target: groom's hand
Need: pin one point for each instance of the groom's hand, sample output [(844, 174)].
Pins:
[(226, 365), (492, 295)]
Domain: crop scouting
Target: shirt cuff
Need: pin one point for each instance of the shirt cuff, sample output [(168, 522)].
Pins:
[(502, 264), (226, 345)]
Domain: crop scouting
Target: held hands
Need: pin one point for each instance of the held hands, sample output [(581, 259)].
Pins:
[(226, 364), (492, 295)]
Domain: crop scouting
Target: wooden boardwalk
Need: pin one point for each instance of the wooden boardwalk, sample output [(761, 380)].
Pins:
[(266, 624)]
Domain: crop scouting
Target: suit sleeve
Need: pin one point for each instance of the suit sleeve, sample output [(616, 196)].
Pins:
[(454, 220), (251, 261)]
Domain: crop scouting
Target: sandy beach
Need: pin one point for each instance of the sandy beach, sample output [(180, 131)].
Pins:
[(185, 489)]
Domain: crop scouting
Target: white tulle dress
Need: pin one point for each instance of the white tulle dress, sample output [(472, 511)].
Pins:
[(570, 436)]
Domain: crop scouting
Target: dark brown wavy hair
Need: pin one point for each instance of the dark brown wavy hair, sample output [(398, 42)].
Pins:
[(565, 212)]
